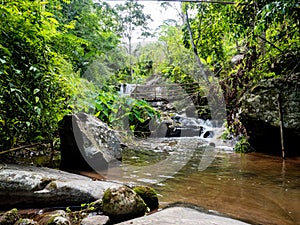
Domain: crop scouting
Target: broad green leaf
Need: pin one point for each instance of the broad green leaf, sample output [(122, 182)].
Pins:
[(36, 90)]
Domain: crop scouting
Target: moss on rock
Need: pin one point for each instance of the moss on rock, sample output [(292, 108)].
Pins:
[(149, 195), (26, 222), (122, 203), (57, 217), (10, 217)]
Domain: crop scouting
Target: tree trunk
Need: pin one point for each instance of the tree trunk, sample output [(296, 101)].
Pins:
[(281, 125), (130, 58), (201, 67)]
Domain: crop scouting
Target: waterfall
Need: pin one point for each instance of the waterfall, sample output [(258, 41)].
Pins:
[(127, 89)]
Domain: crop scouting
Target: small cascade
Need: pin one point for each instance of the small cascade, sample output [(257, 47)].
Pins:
[(127, 89), (193, 127), (179, 117)]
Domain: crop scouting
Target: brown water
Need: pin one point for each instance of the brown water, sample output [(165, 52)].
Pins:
[(254, 187), (259, 188)]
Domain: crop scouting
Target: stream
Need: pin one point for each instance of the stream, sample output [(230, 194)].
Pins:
[(204, 171), (254, 187)]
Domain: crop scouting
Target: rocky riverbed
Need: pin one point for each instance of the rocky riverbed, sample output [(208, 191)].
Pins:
[(66, 198)]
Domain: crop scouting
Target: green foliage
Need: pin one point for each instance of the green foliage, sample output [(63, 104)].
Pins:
[(123, 112), (86, 208), (264, 34), (208, 32), (172, 48), (131, 18), (176, 75), (41, 45), (242, 146), (141, 71), (92, 30), (105, 107), (34, 79)]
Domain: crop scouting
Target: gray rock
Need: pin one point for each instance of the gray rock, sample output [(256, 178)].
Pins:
[(95, 220), (38, 186), (122, 203), (182, 215), (260, 114), (88, 144)]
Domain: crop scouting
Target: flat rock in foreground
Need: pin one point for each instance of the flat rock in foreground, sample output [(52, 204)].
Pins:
[(24, 186), (182, 215)]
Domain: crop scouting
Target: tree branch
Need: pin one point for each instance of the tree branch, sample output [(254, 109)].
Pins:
[(270, 43), (18, 148)]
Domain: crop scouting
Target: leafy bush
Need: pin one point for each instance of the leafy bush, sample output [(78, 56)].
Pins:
[(34, 80), (243, 146), (141, 71), (124, 112)]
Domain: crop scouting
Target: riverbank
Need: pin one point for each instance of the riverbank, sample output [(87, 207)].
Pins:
[(55, 192)]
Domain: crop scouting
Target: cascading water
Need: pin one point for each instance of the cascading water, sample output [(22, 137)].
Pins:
[(177, 138), (127, 89), (177, 124)]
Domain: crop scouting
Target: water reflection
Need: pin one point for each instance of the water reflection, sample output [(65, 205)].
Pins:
[(254, 187)]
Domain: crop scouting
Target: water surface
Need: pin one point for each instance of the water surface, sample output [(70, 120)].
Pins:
[(254, 187)]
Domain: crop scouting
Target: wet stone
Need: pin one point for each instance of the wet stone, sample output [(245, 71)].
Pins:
[(95, 220)]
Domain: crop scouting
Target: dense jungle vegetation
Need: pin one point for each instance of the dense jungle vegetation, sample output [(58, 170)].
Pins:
[(64, 56)]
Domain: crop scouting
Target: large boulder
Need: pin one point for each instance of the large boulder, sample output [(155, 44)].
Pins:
[(260, 115), (88, 144), (28, 186)]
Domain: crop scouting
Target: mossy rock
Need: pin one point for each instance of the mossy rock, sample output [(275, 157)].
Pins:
[(57, 217), (122, 203), (149, 195), (26, 222), (10, 217)]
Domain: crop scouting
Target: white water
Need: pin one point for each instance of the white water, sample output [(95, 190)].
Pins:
[(126, 89)]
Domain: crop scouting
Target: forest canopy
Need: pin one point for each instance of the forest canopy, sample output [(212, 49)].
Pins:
[(48, 51)]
